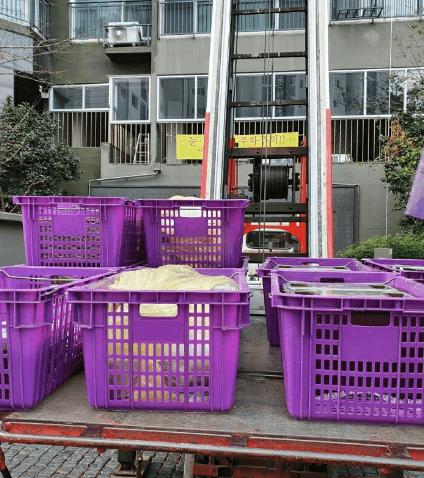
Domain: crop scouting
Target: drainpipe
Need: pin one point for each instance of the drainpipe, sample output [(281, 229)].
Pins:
[(146, 175)]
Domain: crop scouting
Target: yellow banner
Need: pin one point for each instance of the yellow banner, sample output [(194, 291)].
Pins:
[(190, 146), (276, 140)]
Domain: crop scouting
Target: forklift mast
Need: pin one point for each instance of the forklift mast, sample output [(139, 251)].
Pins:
[(289, 184)]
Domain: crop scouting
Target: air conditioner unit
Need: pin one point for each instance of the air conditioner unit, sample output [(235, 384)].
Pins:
[(123, 33)]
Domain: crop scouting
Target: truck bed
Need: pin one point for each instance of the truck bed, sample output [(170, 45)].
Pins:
[(257, 426)]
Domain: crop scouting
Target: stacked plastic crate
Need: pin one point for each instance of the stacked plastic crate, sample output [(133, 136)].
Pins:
[(185, 359), (68, 241), (295, 263), (352, 344), (409, 268)]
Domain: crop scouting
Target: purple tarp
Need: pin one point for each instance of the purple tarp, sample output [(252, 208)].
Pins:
[(415, 206)]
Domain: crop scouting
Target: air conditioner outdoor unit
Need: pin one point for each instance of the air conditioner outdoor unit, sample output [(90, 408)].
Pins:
[(124, 32)]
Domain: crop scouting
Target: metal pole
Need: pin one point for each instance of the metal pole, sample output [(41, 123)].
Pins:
[(313, 131), (215, 132), (317, 121)]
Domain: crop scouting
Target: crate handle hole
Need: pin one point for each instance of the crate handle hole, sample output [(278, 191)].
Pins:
[(332, 280), (370, 319), (158, 310)]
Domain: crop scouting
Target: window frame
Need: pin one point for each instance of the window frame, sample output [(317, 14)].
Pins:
[(76, 110), (129, 77), (365, 71), (180, 120)]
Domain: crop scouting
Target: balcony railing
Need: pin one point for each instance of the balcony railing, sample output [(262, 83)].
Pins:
[(89, 19), (354, 9), (190, 17), (34, 13)]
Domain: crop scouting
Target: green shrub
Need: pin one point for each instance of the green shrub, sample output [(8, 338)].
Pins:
[(404, 246), (31, 163)]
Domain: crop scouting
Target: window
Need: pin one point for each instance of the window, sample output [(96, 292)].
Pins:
[(349, 94), (378, 92), (178, 99), (81, 97), (96, 97), (130, 99), (281, 240), (288, 87), (202, 93), (414, 83), (67, 98), (253, 88)]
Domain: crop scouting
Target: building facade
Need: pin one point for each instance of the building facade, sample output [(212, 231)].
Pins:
[(135, 75), (24, 65)]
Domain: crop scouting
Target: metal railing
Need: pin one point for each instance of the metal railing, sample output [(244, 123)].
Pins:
[(85, 129), (358, 140), (42, 22), (353, 139), (190, 17), (167, 140), (34, 13), (350, 9), (89, 19), (130, 143)]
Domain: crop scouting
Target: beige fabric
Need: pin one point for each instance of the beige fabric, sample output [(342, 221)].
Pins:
[(183, 197), (169, 277)]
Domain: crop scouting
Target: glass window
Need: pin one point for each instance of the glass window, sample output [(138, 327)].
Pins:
[(97, 97), (253, 88), (347, 91), (177, 98), (67, 98), (397, 90), (290, 87), (202, 94), (281, 240), (130, 99), (94, 97), (378, 92), (415, 84)]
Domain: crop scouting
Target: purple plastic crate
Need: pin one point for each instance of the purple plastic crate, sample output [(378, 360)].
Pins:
[(79, 231), (186, 361), (355, 358), (277, 263), (41, 347), (199, 233), (389, 265)]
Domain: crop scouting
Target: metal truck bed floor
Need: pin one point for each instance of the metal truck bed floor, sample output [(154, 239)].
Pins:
[(258, 425)]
